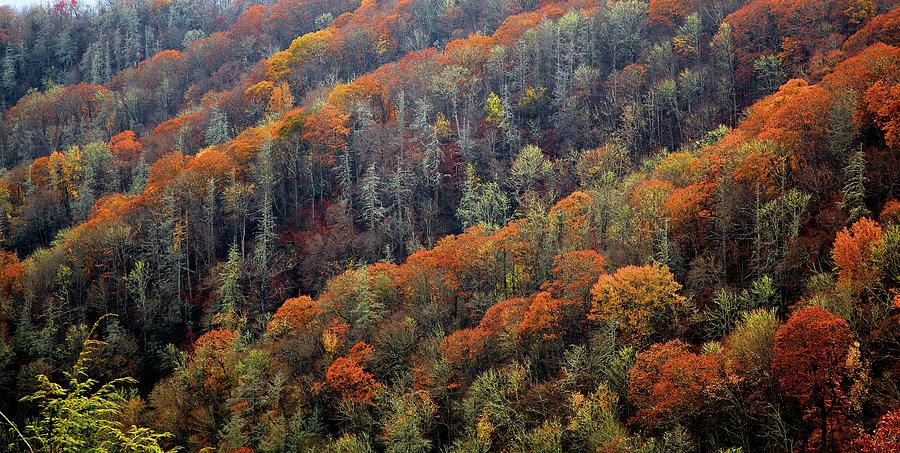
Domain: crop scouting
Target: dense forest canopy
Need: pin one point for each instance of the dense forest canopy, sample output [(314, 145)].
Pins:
[(450, 225)]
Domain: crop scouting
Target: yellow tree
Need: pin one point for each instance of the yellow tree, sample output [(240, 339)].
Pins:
[(639, 301)]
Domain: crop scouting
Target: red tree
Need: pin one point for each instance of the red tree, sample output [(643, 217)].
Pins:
[(885, 439), (347, 377), (809, 363), (125, 148), (670, 384), (854, 250)]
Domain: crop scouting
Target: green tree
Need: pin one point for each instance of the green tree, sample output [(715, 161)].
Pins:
[(372, 209), (139, 176), (854, 190), (481, 203), (81, 416), (265, 237), (136, 282), (8, 77), (724, 58), (528, 168), (230, 293), (768, 75), (217, 130)]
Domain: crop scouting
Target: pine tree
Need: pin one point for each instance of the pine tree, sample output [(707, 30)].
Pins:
[(136, 283), (466, 209), (399, 190), (96, 67), (265, 237), (481, 203), (722, 47), (209, 220), (841, 125), (230, 293), (64, 48), (344, 173), (855, 187), (139, 176), (132, 42), (151, 44), (217, 130), (372, 209), (107, 61), (8, 79)]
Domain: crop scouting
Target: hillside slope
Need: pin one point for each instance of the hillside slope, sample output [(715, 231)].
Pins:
[(569, 226)]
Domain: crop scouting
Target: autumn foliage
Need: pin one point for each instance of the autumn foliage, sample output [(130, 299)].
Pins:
[(670, 384), (642, 302), (347, 377), (854, 251), (562, 225), (810, 365)]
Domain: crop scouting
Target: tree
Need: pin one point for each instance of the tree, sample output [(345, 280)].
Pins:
[(137, 282), (667, 12), (883, 103), (8, 76), (623, 27), (140, 174), (724, 60), (81, 416), (371, 211), (349, 298), (481, 203), (854, 254), (230, 294), (670, 385), (281, 99), (217, 129), (768, 75), (842, 129), (594, 425), (407, 425), (264, 250), (810, 364), (886, 437), (529, 166), (750, 345), (855, 187), (640, 301), (295, 314), (125, 147), (575, 273), (347, 378)]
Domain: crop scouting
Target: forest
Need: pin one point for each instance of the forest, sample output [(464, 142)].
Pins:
[(657, 226)]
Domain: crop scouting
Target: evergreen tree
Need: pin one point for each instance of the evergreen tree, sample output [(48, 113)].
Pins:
[(481, 203), (96, 71), (8, 77), (722, 47), (65, 49), (139, 175), (136, 282), (854, 190), (372, 210), (344, 174), (842, 129), (231, 295), (768, 75), (265, 237), (217, 129), (209, 220)]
